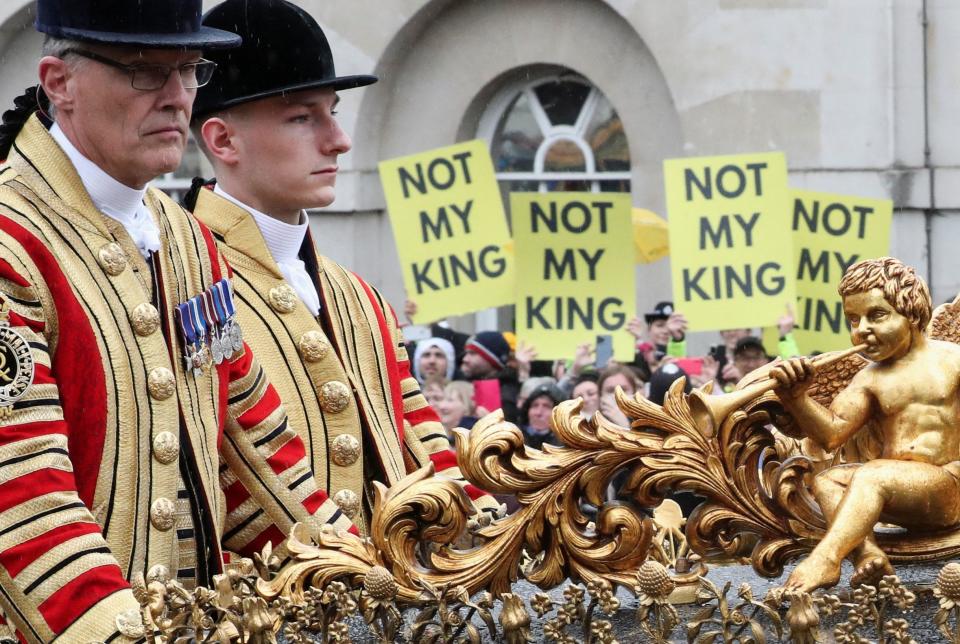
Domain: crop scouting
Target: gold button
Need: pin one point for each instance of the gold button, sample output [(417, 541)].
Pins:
[(345, 449), (112, 258), (166, 447), (161, 514), (161, 383), (334, 397), (145, 319), (313, 346), (348, 501), (130, 624), (158, 573), (283, 298)]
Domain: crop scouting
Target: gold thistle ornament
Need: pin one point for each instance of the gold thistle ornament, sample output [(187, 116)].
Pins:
[(16, 364)]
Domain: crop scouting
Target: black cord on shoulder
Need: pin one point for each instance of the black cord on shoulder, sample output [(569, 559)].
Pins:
[(190, 198), (33, 100)]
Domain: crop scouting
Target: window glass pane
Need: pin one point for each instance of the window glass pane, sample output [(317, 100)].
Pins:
[(568, 186), (564, 156), (562, 100), (517, 139), (607, 140), (615, 186)]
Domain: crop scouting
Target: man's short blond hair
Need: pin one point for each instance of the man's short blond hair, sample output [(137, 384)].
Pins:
[(902, 288)]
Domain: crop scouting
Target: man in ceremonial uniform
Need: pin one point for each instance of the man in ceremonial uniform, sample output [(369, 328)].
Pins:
[(327, 339), (124, 451)]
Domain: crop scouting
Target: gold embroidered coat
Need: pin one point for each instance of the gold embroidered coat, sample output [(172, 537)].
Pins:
[(344, 376), (111, 426)]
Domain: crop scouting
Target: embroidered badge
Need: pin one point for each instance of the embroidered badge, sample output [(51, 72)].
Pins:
[(16, 364)]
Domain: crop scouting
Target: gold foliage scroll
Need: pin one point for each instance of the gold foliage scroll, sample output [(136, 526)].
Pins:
[(754, 478), (427, 509)]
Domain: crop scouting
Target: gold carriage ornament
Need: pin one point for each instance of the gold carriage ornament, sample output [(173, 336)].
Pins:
[(805, 459)]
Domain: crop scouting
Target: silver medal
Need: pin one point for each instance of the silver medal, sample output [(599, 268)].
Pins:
[(216, 351), (236, 335)]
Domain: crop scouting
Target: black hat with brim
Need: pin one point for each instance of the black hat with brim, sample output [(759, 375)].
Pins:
[(284, 51), (172, 24)]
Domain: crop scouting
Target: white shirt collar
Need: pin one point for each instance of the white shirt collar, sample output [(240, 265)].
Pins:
[(112, 198), (283, 240)]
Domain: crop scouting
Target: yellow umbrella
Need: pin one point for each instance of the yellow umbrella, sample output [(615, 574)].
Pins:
[(650, 238)]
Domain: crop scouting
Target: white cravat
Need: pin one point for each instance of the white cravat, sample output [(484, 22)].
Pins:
[(112, 198), (284, 242)]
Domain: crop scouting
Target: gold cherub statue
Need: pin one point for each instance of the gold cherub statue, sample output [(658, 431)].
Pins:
[(911, 390)]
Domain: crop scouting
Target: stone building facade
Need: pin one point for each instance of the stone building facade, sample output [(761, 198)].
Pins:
[(862, 96)]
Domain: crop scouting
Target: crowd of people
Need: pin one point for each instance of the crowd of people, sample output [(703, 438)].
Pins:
[(456, 371)]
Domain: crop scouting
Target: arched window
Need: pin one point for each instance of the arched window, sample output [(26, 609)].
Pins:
[(558, 133)]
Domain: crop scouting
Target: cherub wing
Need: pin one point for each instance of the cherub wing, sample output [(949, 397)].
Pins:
[(945, 322), (827, 382)]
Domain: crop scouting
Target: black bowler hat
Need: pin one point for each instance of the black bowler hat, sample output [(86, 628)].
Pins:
[(284, 51), (166, 24)]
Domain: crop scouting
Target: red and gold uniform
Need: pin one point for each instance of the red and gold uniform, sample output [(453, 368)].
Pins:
[(343, 376), (112, 427)]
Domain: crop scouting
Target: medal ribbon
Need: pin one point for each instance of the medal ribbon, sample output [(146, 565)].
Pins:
[(218, 305), (198, 319), (228, 297), (184, 320), (209, 312)]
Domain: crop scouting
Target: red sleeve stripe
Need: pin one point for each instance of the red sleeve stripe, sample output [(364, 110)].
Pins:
[(313, 502), (20, 556), (443, 460), (16, 433), (6, 270), (42, 375), (29, 486), (422, 415), (81, 594), (287, 456), (473, 491), (240, 366), (237, 494), (271, 534), (268, 404)]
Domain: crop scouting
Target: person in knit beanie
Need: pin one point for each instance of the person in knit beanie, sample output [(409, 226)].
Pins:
[(485, 358), (486, 355)]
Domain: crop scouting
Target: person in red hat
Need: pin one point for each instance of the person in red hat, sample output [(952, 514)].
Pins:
[(133, 443), (327, 339)]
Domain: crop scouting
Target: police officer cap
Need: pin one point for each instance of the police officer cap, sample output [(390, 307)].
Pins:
[(284, 50), (171, 24)]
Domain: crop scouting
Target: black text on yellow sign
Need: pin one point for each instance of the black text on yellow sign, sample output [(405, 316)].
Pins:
[(831, 233), (574, 254), (729, 243), (450, 229)]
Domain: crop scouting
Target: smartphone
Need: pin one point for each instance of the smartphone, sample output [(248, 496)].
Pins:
[(691, 366), (604, 351)]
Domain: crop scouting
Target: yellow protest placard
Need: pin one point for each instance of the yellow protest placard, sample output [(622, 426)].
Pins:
[(574, 254), (650, 237), (730, 254), (830, 233), (451, 232)]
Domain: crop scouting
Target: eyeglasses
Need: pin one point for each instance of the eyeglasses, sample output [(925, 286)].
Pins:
[(149, 77)]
